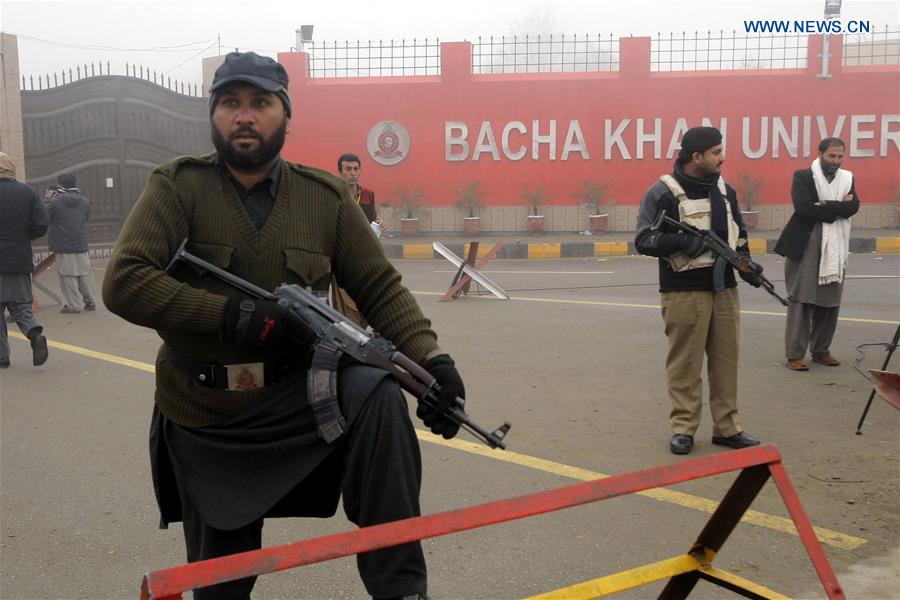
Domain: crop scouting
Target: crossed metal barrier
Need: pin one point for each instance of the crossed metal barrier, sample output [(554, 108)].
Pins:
[(756, 465)]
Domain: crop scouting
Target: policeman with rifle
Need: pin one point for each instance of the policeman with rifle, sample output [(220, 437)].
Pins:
[(690, 220), (268, 404)]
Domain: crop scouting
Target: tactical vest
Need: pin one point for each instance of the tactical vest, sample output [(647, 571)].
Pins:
[(697, 212)]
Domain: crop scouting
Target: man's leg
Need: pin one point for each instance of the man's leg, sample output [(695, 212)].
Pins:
[(87, 292), (24, 318), (686, 316), (203, 541), (824, 324), (722, 349), (68, 285), (381, 484), (796, 330), (4, 338)]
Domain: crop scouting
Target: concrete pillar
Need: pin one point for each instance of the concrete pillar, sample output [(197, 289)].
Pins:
[(210, 64), (12, 142)]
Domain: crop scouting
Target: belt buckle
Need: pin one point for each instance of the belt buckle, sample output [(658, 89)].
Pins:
[(245, 376)]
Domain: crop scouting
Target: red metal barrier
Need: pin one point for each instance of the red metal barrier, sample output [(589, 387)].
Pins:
[(755, 464)]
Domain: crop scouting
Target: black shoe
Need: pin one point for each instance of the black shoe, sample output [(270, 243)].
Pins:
[(4, 363), (738, 440), (90, 306), (681, 443), (410, 597), (39, 350)]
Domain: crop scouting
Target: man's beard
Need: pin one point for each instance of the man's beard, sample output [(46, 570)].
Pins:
[(246, 159), (828, 169)]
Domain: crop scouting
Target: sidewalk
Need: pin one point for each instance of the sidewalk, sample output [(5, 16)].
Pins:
[(558, 244), (579, 245)]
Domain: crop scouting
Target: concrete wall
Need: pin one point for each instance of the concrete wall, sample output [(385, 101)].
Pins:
[(11, 140)]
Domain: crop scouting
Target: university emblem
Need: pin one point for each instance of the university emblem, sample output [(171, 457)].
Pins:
[(388, 142)]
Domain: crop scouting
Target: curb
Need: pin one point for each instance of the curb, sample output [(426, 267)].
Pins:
[(539, 250)]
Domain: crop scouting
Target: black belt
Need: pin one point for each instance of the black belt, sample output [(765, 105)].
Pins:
[(243, 376)]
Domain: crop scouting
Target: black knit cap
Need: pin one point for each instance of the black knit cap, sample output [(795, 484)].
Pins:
[(250, 67), (698, 139)]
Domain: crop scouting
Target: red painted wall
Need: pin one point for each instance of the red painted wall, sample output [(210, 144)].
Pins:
[(332, 116)]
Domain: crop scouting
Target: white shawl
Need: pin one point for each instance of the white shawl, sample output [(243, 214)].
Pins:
[(836, 235)]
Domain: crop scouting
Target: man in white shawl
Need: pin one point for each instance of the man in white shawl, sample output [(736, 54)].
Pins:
[(816, 243)]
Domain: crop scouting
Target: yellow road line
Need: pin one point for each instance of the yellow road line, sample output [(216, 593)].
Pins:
[(125, 362), (765, 313), (826, 536)]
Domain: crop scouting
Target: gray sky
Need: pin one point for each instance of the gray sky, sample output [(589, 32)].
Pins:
[(172, 37)]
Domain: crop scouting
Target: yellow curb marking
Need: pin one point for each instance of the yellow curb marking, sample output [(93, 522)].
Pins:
[(826, 536), (610, 248), (887, 245), (544, 250), (418, 251), (757, 246)]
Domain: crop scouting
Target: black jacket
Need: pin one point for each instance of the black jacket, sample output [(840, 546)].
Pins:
[(69, 213), (22, 218), (793, 239), (664, 243)]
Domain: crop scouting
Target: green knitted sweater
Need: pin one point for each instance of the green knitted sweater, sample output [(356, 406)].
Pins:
[(315, 229)]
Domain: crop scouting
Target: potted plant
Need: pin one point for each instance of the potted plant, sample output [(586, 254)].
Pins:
[(470, 199), (590, 196), (535, 197), (750, 187), (410, 201)]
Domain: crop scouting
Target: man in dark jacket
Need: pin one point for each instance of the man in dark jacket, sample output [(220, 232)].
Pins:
[(349, 168), (24, 219), (815, 245), (69, 213), (697, 319)]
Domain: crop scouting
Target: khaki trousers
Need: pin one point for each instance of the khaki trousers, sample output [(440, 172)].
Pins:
[(697, 323)]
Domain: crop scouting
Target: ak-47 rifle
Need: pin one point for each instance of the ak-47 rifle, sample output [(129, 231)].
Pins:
[(724, 255), (314, 322)]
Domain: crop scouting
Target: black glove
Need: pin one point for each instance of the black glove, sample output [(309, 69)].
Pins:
[(260, 325), (693, 245), (441, 367), (753, 275), (754, 269)]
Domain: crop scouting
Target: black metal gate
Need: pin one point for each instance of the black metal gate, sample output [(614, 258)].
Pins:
[(110, 131)]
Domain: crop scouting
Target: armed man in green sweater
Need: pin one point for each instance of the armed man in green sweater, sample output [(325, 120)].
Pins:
[(233, 436)]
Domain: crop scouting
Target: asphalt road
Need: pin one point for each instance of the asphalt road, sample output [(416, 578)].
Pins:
[(574, 360)]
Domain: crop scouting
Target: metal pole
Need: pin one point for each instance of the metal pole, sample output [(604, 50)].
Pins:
[(891, 347), (825, 56)]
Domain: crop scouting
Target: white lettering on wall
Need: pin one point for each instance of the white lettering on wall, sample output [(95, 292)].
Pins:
[(507, 151), (807, 120), (856, 134), (459, 140), (655, 137), (486, 142), (763, 137), (780, 134), (796, 136), (887, 135), (575, 142), (677, 133), (823, 131), (537, 138), (615, 138)]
